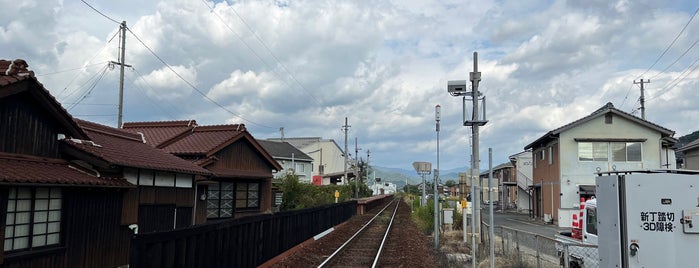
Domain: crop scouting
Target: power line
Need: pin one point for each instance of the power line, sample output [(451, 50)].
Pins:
[(71, 69), (266, 47), (669, 86), (678, 59), (93, 57), (103, 15), (274, 56), (190, 84), (671, 44)]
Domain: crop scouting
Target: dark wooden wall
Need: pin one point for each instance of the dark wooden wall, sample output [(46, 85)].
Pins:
[(26, 129), (241, 155), (90, 233)]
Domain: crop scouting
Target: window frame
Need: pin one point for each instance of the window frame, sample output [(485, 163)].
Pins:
[(217, 201), (52, 219), (247, 199)]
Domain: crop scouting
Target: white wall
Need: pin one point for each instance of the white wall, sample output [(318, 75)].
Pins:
[(575, 172)]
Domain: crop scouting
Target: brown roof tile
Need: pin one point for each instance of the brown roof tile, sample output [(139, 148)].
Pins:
[(13, 71), (159, 133), (23, 169), (125, 148), (204, 140)]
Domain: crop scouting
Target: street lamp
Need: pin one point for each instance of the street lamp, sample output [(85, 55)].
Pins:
[(423, 169)]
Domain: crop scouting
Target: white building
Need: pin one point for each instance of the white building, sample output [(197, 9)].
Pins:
[(328, 159)]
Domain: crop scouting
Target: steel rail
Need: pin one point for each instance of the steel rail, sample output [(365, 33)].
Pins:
[(342, 247)]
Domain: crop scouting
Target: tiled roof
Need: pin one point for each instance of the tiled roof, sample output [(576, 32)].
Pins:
[(14, 71), (125, 148), (283, 150), (186, 138), (159, 133), (607, 108), (205, 140), (23, 169)]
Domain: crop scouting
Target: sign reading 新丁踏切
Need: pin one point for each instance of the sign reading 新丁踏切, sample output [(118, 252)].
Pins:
[(658, 221)]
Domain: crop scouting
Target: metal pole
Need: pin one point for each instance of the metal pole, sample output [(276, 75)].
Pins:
[(356, 167), (423, 199), (491, 231), (345, 128), (475, 77), (436, 181)]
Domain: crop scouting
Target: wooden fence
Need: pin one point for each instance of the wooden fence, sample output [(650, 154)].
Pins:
[(243, 242)]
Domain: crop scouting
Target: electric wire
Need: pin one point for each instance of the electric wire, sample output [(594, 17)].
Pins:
[(89, 90), (191, 85), (85, 83), (671, 44), (90, 60), (678, 59), (274, 56), (71, 69), (103, 15), (672, 84), (155, 103)]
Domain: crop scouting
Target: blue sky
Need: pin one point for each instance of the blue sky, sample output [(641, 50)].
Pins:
[(306, 65)]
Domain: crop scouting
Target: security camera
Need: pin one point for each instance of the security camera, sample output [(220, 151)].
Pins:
[(456, 87)]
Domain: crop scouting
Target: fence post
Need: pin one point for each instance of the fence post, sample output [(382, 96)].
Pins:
[(538, 256), (517, 241), (566, 256)]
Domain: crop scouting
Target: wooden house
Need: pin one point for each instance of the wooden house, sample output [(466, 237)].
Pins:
[(241, 183), (167, 196), (55, 212), (73, 192)]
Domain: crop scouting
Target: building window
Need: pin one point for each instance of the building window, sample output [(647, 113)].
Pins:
[(219, 202), (550, 155), (593, 151), (33, 218), (300, 168), (626, 151), (247, 195)]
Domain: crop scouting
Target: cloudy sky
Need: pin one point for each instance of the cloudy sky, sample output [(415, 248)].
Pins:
[(306, 65)]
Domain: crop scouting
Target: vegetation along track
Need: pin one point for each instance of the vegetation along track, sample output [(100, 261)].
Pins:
[(364, 248)]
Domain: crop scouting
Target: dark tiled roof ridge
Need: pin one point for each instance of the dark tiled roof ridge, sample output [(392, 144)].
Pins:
[(150, 124), (16, 67), (226, 127), (106, 130), (31, 158)]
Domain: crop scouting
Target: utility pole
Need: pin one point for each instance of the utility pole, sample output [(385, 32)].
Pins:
[(281, 129), (642, 99), (356, 167), (345, 128), (366, 170), (122, 64), (437, 117), (458, 88)]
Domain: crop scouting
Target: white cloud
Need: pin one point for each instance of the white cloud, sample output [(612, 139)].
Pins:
[(306, 65)]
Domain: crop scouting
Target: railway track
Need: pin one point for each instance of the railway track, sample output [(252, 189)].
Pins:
[(364, 248)]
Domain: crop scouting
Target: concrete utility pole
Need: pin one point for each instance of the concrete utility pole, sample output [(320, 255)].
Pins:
[(281, 129), (122, 64), (356, 167), (345, 128), (437, 115), (642, 99)]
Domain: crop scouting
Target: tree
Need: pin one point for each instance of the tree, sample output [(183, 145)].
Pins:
[(450, 183)]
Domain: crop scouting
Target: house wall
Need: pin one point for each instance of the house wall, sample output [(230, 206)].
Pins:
[(25, 128), (691, 159), (333, 159), (523, 173), (304, 173), (575, 172), (241, 156), (90, 233), (546, 173)]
